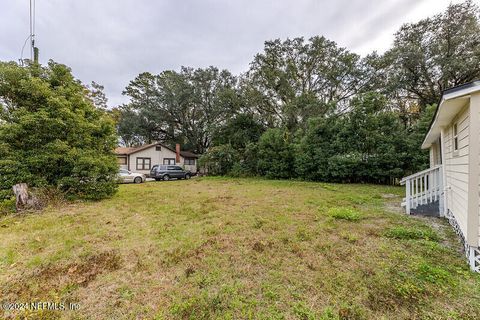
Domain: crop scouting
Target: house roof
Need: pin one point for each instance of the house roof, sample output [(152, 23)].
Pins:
[(123, 151), (451, 103), (131, 150), (127, 151)]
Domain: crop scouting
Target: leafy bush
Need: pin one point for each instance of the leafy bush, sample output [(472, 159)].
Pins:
[(344, 214), (276, 155), (52, 135), (405, 233), (219, 160)]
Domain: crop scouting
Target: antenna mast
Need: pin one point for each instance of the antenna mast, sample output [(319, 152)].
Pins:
[(31, 37), (33, 49)]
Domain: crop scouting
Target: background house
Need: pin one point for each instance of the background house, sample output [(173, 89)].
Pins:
[(142, 159), (451, 186)]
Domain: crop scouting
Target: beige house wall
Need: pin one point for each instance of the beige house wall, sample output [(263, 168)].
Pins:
[(474, 201), (456, 166), (156, 158)]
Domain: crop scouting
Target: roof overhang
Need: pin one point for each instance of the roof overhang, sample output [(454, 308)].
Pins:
[(452, 102)]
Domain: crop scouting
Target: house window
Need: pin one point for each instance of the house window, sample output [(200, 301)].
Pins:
[(143, 163), (190, 161), (168, 160), (158, 148), (455, 137), (122, 160)]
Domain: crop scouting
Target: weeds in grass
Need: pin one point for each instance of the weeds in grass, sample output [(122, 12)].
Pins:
[(328, 314), (7, 206), (434, 274), (409, 284), (352, 311), (303, 312), (349, 237), (343, 213), (126, 293), (258, 223), (206, 305), (303, 235), (412, 233), (8, 258), (270, 292)]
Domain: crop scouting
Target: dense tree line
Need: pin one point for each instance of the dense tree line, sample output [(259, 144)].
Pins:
[(309, 108)]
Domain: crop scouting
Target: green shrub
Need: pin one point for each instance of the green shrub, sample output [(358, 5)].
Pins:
[(219, 160), (412, 233), (52, 135), (276, 155), (344, 214), (239, 170)]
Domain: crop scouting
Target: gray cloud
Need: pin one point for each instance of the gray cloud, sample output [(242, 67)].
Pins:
[(110, 41)]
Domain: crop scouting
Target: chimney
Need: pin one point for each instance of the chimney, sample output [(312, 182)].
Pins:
[(177, 151)]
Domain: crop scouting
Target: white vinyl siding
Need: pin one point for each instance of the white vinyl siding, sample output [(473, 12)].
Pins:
[(477, 140), (456, 168), (155, 155)]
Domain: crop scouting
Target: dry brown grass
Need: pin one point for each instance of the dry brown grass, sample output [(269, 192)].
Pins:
[(238, 249)]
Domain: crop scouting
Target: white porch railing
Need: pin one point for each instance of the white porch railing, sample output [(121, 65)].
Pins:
[(423, 187)]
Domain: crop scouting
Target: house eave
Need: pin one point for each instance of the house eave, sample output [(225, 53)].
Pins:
[(452, 102)]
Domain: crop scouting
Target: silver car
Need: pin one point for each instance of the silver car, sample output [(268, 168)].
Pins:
[(126, 176)]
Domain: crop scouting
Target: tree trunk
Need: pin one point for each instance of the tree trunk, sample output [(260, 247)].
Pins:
[(24, 200)]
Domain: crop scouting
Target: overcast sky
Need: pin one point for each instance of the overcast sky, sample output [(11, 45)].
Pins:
[(111, 41)]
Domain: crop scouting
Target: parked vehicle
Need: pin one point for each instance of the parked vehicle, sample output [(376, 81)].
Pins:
[(167, 172), (126, 176)]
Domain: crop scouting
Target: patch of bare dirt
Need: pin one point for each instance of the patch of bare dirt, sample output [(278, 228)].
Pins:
[(393, 203), (57, 276)]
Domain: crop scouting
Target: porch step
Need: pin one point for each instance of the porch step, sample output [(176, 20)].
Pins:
[(424, 192), (431, 209)]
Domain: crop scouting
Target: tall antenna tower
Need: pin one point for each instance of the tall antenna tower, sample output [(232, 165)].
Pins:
[(31, 36)]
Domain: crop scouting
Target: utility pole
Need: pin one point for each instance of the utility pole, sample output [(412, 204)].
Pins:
[(33, 50)]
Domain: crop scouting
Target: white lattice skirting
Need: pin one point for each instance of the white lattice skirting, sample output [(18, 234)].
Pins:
[(474, 259), (472, 253)]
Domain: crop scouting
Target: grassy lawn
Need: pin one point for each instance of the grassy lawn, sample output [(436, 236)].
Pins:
[(238, 249)]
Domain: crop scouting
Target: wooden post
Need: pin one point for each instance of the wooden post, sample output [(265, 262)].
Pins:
[(442, 193), (408, 197), (443, 177)]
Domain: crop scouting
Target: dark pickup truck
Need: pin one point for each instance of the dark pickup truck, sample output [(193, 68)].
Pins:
[(167, 172)]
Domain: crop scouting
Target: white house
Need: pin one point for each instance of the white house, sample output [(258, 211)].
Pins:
[(142, 159), (451, 185)]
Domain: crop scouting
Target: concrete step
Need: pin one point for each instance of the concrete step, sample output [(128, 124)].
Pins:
[(431, 209)]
